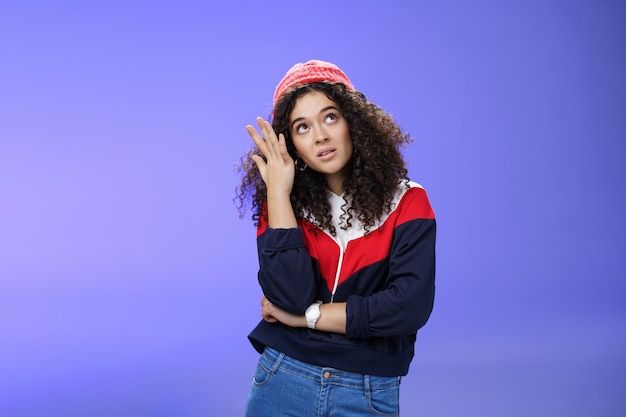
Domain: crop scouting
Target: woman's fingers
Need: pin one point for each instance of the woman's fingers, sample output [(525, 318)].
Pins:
[(260, 164), (275, 165), (266, 141), (269, 136), (262, 146), (282, 146), (264, 300), (266, 312), (257, 139)]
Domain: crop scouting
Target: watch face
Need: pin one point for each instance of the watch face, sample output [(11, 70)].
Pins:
[(312, 314)]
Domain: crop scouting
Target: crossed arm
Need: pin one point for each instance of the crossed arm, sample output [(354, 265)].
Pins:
[(332, 318)]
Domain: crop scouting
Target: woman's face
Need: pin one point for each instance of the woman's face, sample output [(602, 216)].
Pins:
[(321, 137)]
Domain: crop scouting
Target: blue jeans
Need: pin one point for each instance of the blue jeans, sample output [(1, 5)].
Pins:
[(283, 386)]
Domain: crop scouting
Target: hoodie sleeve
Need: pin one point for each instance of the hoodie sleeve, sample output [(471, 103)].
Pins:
[(285, 268), (405, 304)]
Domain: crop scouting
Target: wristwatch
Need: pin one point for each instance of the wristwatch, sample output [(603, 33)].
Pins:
[(312, 314)]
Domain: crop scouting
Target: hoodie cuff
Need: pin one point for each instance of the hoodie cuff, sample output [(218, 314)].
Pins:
[(281, 239), (357, 318)]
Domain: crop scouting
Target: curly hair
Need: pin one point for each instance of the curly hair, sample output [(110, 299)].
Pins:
[(376, 165)]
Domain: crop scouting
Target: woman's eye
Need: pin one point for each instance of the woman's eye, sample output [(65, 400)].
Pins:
[(301, 128), (331, 117)]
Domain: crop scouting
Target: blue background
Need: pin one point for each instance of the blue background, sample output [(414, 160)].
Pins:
[(128, 281)]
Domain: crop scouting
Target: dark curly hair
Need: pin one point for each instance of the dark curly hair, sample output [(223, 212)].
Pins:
[(376, 166)]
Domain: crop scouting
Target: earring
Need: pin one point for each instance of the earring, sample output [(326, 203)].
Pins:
[(299, 164)]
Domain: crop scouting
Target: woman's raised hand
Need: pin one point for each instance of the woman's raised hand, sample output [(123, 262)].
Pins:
[(277, 170)]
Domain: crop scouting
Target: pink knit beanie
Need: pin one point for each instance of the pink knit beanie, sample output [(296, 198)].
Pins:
[(311, 72)]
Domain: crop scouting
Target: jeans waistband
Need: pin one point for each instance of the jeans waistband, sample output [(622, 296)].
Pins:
[(274, 360)]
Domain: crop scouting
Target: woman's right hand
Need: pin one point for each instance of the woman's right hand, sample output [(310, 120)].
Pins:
[(277, 169)]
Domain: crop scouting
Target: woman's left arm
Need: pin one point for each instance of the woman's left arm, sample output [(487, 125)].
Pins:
[(405, 305), (332, 316)]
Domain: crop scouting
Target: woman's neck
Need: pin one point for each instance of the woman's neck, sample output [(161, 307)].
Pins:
[(334, 182), (336, 187)]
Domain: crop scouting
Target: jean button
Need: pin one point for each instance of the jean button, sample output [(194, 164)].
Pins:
[(326, 374)]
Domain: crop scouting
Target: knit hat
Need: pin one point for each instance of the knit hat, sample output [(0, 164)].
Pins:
[(311, 72)]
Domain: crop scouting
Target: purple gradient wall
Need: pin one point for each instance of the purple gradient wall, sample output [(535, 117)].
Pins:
[(128, 282)]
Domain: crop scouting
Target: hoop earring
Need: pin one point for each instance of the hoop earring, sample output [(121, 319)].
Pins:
[(298, 162)]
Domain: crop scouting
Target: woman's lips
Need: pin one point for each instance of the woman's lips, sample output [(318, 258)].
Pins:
[(326, 154)]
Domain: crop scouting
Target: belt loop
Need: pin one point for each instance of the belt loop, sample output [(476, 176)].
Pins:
[(276, 364), (366, 384)]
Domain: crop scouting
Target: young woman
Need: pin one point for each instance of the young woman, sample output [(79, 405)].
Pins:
[(346, 247)]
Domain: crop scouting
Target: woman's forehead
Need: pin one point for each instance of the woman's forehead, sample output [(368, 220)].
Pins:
[(311, 104)]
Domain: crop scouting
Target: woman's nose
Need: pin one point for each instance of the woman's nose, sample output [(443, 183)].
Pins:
[(321, 135)]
